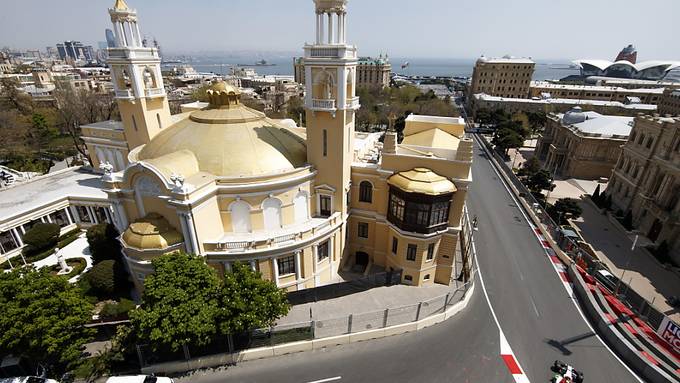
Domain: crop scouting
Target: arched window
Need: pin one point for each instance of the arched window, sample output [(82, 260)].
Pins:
[(271, 209), (149, 79), (240, 217), (365, 192), (301, 205)]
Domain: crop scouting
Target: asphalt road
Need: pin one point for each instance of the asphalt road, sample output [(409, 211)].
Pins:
[(538, 317), (463, 349)]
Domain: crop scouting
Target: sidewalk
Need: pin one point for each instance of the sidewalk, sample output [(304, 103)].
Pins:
[(643, 273)]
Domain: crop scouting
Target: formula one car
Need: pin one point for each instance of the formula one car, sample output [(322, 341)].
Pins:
[(565, 373)]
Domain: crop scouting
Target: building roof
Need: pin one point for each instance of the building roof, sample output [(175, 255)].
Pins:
[(594, 88), (151, 232), (506, 60), (566, 101), (51, 188), (422, 181), (432, 138), (110, 125), (605, 64), (232, 142), (596, 124)]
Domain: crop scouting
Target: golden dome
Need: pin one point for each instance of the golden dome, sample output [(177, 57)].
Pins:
[(232, 142), (223, 95), (422, 181), (121, 5), (151, 232)]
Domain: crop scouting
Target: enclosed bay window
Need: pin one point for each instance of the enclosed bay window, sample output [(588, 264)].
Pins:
[(420, 213)]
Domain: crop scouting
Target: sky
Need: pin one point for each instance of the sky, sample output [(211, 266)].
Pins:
[(541, 29)]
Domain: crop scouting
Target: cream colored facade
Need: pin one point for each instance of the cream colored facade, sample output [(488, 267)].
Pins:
[(371, 72), (646, 180), (650, 96), (584, 145), (503, 77), (300, 205)]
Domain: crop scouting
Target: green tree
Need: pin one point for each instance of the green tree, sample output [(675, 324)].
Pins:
[(539, 181), (107, 278), (13, 97), (537, 121), (529, 168), (41, 237), (42, 318), (506, 139), (248, 302), (295, 110), (596, 196), (103, 242), (565, 208), (180, 303)]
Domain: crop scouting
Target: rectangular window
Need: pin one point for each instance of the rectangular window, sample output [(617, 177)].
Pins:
[(430, 251), (7, 242), (60, 217), (411, 252), (286, 265), (395, 245), (397, 207), (84, 214), (101, 214), (325, 143), (322, 251), (325, 205), (363, 230)]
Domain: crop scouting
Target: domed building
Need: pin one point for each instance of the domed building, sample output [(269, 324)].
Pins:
[(301, 205)]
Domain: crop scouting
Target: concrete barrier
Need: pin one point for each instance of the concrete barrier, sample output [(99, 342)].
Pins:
[(612, 335)]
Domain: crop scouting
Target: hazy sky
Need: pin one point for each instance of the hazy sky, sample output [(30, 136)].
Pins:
[(547, 29)]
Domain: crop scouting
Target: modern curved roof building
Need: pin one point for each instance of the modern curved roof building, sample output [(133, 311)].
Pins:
[(647, 70)]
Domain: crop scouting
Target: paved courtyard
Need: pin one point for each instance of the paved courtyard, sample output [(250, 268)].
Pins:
[(642, 271), (76, 249)]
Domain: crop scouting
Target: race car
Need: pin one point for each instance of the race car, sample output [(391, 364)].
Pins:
[(566, 373)]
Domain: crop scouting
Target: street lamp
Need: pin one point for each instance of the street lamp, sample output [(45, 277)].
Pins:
[(632, 248)]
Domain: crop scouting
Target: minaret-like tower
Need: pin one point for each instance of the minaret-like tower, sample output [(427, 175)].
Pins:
[(137, 79), (330, 104)]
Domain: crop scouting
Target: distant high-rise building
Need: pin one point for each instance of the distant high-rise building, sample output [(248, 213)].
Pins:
[(110, 39), (628, 53), (76, 51)]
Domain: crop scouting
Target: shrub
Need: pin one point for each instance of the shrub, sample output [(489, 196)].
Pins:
[(41, 237), (106, 278), (117, 309), (103, 242)]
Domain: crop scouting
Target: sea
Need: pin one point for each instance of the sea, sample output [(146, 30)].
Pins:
[(283, 65)]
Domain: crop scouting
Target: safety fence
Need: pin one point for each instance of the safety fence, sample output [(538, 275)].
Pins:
[(352, 286), (573, 249)]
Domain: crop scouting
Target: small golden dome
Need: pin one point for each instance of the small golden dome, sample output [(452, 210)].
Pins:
[(223, 95), (151, 232), (422, 181)]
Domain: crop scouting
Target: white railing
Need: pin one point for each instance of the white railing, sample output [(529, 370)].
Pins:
[(133, 53), (126, 93), (353, 103), (157, 92), (323, 104), (325, 52)]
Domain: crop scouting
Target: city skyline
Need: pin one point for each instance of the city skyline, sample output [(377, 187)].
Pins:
[(498, 28)]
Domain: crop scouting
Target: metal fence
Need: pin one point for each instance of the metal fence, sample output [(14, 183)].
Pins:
[(632, 299), (309, 330), (335, 290)]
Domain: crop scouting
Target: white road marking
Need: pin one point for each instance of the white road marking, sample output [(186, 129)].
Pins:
[(333, 379), (534, 304), (574, 301)]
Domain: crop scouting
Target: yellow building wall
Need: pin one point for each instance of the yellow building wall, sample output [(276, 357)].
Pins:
[(146, 114), (413, 127), (208, 222)]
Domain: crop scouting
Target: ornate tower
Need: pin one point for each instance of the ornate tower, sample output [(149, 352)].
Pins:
[(137, 79), (330, 103)]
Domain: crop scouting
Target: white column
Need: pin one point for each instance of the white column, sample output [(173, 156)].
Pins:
[(117, 31), (308, 85), (192, 233), (318, 28), (93, 217), (139, 35), (342, 88), (344, 27), (122, 215), (341, 29), (298, 272), (42, 219), (68, 216), (74, 213), (315, 259), (17, 236), (185, 232), (275, 265), (330, 28)]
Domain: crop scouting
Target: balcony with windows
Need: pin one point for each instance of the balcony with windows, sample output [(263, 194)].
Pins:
[(322, 105), (154, 92), (418, 213), (288, 236), (127, 94)]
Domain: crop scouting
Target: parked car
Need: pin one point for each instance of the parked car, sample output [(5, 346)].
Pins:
[(27, 379), (139, 379)]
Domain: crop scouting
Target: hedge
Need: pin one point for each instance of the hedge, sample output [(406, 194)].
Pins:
[(40, 237)]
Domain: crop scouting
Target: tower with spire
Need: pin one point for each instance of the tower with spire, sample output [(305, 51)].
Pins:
[(137, 79), (330, 104)]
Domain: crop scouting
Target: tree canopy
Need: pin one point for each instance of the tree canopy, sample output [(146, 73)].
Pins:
[(42, 317), (565, 208), (180, 303), (247, 301)]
